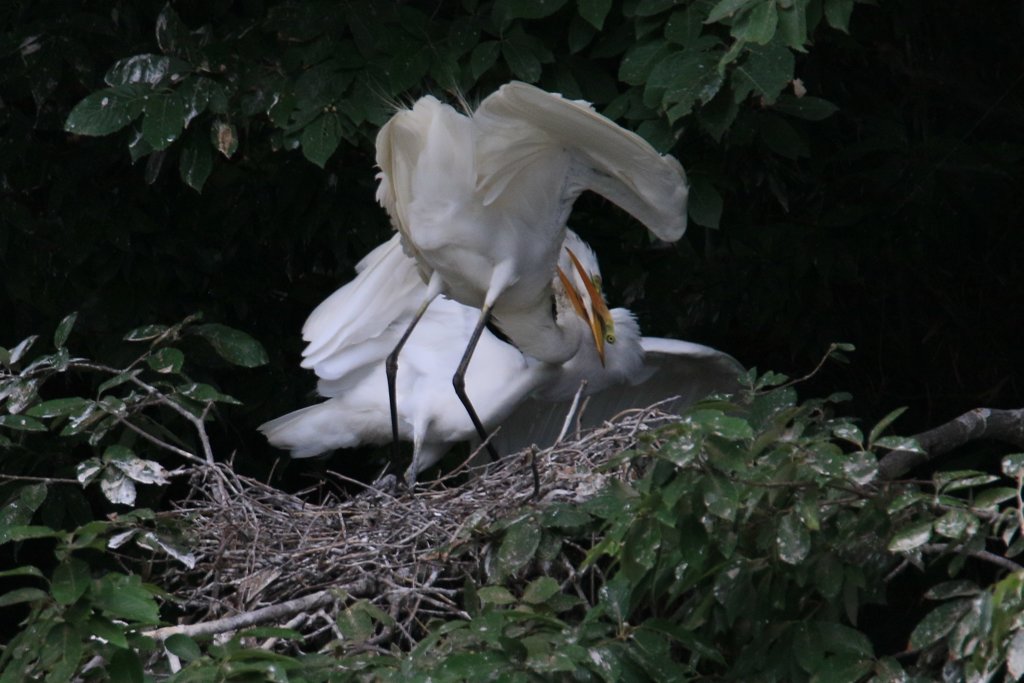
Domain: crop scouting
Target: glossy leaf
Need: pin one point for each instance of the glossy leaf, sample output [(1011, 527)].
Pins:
[(937, 624), (60, 337), (164, 119), (166, 360), (594, 11), (233, 345), (104, 112), (70, 581)]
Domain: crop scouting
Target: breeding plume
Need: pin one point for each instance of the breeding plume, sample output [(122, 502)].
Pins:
[(481, 202)]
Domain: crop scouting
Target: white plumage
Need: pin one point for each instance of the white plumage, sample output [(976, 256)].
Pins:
[(511, 389), (481, 202)]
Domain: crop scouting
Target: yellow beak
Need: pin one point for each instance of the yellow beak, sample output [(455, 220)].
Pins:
[(597, 315)]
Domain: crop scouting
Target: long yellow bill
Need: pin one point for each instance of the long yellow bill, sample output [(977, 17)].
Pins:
[(597, 314)]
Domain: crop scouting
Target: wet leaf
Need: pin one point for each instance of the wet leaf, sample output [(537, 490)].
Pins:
[(59, 407), (22, 423), (793, 540), (104, 112), (166, 360), (60, 337), (911, 537), (233, 345), (518, 546), (883, 424), (937, 623), (1013, 464)]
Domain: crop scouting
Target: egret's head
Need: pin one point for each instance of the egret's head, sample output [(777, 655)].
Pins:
[(584, 291)]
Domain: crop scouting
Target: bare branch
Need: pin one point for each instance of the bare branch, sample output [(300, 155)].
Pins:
[(245, 619), (981, 423)]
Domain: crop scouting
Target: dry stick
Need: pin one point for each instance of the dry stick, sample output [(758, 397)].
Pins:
[(980, 423), (233, 623)]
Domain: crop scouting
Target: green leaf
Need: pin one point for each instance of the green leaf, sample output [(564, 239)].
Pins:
[(171, 33), (765, 72), (837, 14), (104, 112), (20, 595), (164, 120), (518, 546), (952, 589), (184, 647), (126, 667), (899, 443), (685, 78), (520, 57), (793, 540), (937, 623), (793, 24), (18, 352), (196, 162), (685, 25), (20, 509), (321, 138), (122, 596), (22, 423), (911, 537), (955, 524), (639, 60), (1013, 464), (166, 360), (70, 581), (233, 345), (594, 11), (108, 630), (483, 57), (727, 8), (758, 25), (883, 424), (59, 407), (540, 590), (147, 69), (60, 337), (24, 570), (146, 332), (495, 595), (204, 392), (705, 203), (991, 498)]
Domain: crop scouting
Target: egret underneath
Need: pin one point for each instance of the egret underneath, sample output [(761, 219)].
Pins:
[(512, 389)]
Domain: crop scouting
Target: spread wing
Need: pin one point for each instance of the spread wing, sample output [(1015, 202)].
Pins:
[(682, 371)]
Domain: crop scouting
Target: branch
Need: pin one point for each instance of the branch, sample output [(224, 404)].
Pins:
[(981, 423), (233, 623)]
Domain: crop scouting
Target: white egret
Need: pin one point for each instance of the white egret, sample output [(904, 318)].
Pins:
[(634, 372), (481, 202)]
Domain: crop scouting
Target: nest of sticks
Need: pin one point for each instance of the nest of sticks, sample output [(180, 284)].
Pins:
[(269, 558)]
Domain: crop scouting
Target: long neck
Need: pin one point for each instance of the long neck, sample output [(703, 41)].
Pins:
[(535, 332)]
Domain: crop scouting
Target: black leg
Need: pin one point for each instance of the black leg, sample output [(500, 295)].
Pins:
[(459, 380), (391, 367)]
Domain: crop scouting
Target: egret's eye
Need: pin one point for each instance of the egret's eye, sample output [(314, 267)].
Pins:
[(609, 338)]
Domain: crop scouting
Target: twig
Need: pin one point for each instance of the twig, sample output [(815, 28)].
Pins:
[(983, 555), (572, 411)]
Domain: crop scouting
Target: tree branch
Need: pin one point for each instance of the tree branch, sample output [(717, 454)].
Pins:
[(980, 423), (238, 621)]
